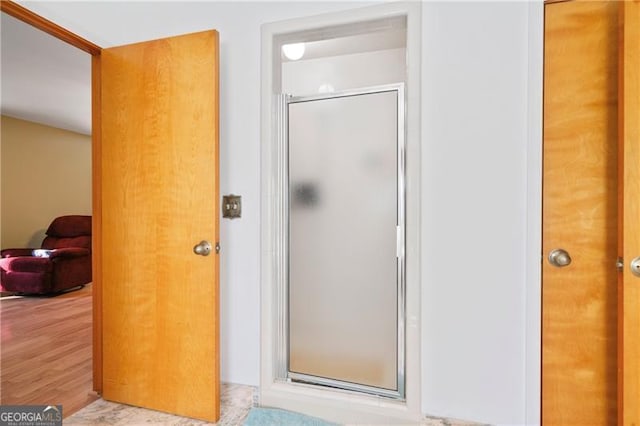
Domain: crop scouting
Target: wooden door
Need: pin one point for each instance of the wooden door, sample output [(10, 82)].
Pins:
[(159, 177), (579, 313), (629, 217)]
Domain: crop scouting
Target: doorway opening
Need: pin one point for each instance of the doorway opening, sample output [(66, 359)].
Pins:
[(47, 157), (83, 302)]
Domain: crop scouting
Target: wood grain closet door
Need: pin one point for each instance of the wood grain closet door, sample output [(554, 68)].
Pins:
[(629, 230), (580, 207), (160, 192)]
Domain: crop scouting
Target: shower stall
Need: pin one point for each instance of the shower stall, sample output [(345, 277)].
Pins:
[(345, 189)]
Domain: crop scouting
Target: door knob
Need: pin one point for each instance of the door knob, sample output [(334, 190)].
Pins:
[(203, 248), (635, 266), (559, 258)]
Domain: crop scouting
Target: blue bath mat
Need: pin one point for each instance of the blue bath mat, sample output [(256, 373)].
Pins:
[(259, 416)]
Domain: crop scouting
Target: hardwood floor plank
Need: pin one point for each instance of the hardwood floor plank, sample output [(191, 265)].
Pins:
[(46, 350)]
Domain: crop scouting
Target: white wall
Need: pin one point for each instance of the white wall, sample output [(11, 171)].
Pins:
[(474, 204), (46, 173), (474, 180)]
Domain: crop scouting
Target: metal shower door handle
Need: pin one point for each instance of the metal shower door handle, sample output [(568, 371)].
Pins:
[(559, 258)]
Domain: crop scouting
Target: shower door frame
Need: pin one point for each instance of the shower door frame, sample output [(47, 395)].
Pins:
[(275, 390), (284, 101)]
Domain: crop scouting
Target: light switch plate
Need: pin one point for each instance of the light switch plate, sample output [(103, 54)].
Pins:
[(231, 206)]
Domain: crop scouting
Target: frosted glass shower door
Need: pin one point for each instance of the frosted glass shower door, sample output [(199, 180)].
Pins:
[(346, 232)]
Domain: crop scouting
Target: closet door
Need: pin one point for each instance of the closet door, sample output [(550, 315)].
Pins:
[(629, 218), (580, 209), (590, 370)]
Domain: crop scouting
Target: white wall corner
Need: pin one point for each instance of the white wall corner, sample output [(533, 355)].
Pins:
[(533, 347)]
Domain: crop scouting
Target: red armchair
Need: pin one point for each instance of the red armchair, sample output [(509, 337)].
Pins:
[(68, 265)]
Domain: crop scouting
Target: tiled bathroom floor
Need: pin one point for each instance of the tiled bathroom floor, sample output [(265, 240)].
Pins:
[(235, 403)]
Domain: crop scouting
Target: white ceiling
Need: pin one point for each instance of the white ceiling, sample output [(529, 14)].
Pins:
[(43, 79)]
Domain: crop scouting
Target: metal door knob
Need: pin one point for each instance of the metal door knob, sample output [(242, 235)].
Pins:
[(203, 248), (559, 258), (635, 266)]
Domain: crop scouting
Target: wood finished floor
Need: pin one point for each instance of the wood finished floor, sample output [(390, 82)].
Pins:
[(46, 351)]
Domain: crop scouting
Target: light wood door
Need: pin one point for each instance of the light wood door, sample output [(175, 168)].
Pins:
[(629, 230), (579, 318), (159, 178)]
